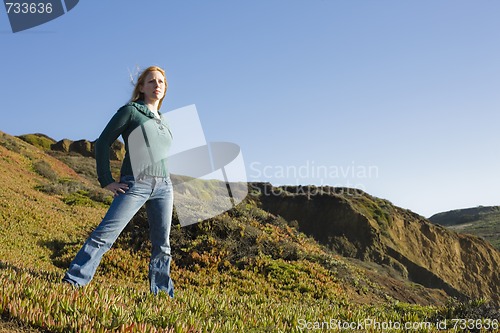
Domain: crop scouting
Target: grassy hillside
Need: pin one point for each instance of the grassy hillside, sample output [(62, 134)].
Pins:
[(246, 270), (480, 221)]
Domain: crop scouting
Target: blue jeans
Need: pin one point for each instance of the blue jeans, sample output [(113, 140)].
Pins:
[(157, 193)]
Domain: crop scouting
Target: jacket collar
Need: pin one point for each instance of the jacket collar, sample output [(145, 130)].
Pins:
[(141, 106)]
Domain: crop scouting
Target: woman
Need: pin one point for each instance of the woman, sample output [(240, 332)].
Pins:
[(144, 178)]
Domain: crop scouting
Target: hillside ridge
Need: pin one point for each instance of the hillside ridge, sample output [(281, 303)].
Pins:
[(463, 215), (481, 221), (82, 147), (358, 225), (361, 226), (268, 262)]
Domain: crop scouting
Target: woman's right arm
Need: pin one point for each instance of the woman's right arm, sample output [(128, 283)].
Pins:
[(111, 132)]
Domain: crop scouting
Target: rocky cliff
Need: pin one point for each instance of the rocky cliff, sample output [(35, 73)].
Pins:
[(82, 147), (358, 225), (87, 148)]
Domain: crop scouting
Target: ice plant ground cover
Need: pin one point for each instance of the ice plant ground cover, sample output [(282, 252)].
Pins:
[(242, 271)]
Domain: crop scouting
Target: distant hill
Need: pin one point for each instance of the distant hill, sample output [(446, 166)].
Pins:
[(482, 221), (284, 256)]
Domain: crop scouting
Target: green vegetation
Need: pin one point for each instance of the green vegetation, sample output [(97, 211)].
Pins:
[(243, 271), (44, 169), (211, 302), (38, 140), (76, 193)]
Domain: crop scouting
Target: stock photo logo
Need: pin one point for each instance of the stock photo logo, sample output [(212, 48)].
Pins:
[(208, 178), (26, 15)]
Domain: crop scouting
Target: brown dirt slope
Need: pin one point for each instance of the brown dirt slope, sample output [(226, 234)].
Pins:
[(358, 225)]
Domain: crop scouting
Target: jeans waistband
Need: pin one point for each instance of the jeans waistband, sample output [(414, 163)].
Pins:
[(145, 177)]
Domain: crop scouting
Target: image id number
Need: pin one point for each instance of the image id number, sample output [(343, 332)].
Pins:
[(478, 324), (28, 8)]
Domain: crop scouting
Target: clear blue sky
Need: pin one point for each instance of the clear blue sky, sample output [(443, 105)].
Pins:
[(405, 93)]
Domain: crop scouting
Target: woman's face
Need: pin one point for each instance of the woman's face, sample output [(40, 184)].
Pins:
[(153, 87)]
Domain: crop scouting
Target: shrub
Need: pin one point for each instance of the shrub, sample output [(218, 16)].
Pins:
[(45, 170), (79, 198), (9, 143), (38, 140), (76, 193)]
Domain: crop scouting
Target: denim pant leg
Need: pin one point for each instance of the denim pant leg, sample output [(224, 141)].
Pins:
[(159, 209), (122, 209)]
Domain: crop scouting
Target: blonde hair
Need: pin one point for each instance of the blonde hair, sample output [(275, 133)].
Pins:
[(137, 94)]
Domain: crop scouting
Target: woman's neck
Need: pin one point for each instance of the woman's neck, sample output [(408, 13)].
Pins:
[(152, 105)]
